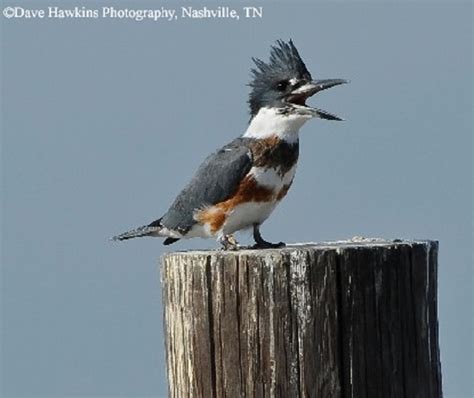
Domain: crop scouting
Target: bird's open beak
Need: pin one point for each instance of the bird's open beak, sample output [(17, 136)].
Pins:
[(299, 96)]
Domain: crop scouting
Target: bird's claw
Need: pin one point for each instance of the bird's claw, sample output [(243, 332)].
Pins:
[(228, 242)]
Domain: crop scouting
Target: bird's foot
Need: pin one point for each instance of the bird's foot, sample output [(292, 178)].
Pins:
[(261, 243), (268, 245), (228, 242)]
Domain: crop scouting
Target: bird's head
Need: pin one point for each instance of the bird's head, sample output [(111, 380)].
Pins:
[(285, 83)]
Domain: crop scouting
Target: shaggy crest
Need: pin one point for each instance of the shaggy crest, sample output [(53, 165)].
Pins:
[(285, 63)]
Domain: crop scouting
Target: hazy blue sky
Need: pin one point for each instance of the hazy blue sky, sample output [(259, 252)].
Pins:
[(103, 121)]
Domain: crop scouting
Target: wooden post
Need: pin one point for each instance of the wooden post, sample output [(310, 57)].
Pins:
[(342, 319)]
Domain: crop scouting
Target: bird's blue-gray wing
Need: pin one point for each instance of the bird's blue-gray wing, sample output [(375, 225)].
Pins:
[(216, 180)]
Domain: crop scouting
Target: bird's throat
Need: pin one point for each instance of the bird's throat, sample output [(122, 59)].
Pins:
[(271, 122)]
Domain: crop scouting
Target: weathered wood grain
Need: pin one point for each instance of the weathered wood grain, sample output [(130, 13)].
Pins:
[(343, 319)]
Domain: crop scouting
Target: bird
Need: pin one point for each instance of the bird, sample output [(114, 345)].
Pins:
[(238, 186)]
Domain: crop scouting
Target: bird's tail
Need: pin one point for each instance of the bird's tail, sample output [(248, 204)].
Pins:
[(152, 229)]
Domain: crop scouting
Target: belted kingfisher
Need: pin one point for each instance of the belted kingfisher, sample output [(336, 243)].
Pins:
[(238, 186)]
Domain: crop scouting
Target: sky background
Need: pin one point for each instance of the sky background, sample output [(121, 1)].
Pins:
[(104, 121)]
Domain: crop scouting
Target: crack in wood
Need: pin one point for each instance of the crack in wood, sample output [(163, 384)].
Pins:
[(210, 315)]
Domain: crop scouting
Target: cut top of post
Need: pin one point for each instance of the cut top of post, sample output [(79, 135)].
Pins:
[(339, 245)]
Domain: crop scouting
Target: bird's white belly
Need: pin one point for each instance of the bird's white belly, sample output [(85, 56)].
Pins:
[(245, 215)]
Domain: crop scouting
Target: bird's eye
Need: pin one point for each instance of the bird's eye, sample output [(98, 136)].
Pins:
[(281, 86)]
